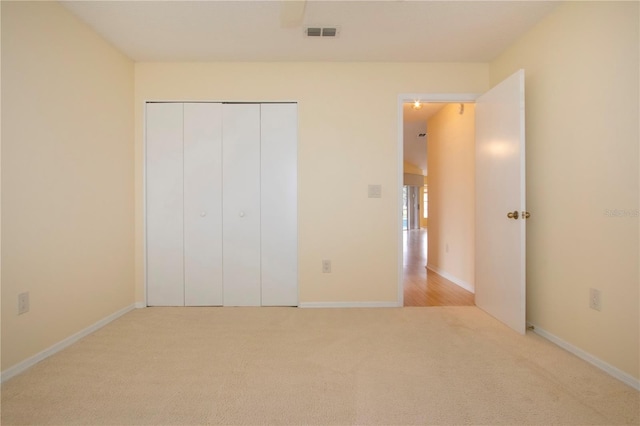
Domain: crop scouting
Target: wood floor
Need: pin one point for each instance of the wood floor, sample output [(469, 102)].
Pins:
[(423, 287)]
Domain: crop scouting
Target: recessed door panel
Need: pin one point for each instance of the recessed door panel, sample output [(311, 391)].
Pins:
[(279, 213), (164, 204), (203, 204), (241, 204)]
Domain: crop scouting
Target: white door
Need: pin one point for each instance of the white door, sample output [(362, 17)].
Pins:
[(164, 233), (279, 207), (202, 204), (241, 204), (500, 194)]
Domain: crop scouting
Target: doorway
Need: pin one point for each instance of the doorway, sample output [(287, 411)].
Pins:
[(445, 277), (499, 237)]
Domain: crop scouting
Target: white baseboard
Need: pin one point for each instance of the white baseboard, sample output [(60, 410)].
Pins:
[(349, 305), (31, 361), (607, 368), (460, 283), (140, 305)]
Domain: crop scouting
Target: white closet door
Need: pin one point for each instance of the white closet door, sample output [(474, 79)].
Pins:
[(202, 204), (164, 193), (279, 211), (241, 204)]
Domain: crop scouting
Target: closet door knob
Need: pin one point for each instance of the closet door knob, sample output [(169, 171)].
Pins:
[(203, 214), (241, 214)]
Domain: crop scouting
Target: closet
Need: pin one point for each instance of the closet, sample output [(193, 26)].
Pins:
[(221, 204)]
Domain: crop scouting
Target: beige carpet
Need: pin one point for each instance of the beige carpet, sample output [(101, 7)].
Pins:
[(314, 366)]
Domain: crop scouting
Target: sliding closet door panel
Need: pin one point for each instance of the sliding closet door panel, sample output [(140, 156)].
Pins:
[(202, 204), (241, 204), (164, 207), (279, 211)]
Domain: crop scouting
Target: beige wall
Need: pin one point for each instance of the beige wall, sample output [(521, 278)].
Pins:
[(348, 114), (67, 177), (413, 180), (451, 165), (412, 168), (582, 162)]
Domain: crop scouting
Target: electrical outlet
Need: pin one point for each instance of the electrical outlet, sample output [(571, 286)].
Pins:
[(595, 299), (23, 303), (326, 266)]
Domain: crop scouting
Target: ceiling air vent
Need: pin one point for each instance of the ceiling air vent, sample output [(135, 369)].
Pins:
[(329, 32), (321, 31)]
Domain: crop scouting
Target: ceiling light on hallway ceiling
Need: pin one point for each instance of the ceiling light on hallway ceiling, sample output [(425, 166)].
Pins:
[(417, 105)]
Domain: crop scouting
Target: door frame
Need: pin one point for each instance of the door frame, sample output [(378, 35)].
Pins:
[(402, 99)]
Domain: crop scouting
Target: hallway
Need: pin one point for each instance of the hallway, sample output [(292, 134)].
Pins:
[(421, 286)]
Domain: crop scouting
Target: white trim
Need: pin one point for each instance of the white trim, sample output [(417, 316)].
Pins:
[(140, 305), (144, 203), (412, 97), (349, 305), (31, 361), (606, 367), (437, 97), (457, 281), (217, 101), (399, 201)]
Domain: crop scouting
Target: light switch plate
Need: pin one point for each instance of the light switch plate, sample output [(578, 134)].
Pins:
[(595, 299), (23, 303), (375, 191)]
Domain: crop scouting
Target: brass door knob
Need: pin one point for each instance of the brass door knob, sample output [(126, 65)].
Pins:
[(513, 215), (526, 215)]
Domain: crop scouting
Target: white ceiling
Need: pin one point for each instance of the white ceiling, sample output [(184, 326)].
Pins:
[(241, 30), (270, 30)]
